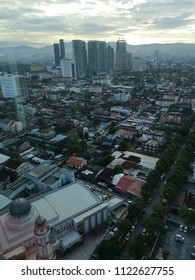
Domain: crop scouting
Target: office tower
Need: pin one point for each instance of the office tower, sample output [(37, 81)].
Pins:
[(121, 55), (103, 56), (110, 64), (129, 60), (93, 57), (80, 57), (56, 54), (68, 69), (97, 57), (61, 48)]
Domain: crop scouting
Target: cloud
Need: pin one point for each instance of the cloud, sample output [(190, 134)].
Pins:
[(138, 21)]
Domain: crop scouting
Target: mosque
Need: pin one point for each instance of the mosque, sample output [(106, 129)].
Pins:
[(50, 223)]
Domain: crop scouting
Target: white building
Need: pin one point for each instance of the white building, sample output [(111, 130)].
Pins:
[(68, 69), (122, 97), (139, 64), (73, 211), (13, 86), (12, 126)]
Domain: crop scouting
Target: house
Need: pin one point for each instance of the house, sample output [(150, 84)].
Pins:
[(16, 167), (76, 162), (129, 185), (151, 147)]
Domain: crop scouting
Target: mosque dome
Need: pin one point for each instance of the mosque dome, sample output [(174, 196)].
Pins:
[(20, 207), (40, 221)]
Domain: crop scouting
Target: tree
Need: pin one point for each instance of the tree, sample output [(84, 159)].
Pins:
[(111, 128), (141, 246), (188, 215), (71, 143), (108, 249), (154, 225), (160, 210), (123, 146), (124, 226), (146, 191), (118, 169)]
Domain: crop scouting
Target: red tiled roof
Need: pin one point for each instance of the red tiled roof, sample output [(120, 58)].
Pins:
[(131, 185), (75, 161)]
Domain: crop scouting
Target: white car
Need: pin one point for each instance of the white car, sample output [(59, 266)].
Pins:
[(185, 229), (132, 228), (181, 227), (179, 238), (128, 235)]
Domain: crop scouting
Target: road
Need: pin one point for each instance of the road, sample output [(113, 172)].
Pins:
[(156, 199)]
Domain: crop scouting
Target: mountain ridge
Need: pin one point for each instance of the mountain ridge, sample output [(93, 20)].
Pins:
[(29, 54)]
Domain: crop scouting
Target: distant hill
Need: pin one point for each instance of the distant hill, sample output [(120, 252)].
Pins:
[(27, 54)]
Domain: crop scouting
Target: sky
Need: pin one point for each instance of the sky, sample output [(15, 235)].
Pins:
[(43, 22)]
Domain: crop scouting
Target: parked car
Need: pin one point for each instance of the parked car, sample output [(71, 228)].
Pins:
[(181, 227), (179, 238), (132, 228), (185, 229), (128, 235)]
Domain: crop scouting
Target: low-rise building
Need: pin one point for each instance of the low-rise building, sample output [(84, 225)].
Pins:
[(10, 125), (76, 162)]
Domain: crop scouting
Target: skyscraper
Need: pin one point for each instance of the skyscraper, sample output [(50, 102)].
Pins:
[(93, 57), (121, 55), (80, 57), (62, 48), (110, 64), (103, 56), (56, 54)]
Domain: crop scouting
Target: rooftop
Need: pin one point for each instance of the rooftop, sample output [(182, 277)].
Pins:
[(3, 158), (41, 170)]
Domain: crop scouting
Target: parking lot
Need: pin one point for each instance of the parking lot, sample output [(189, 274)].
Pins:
[(178, 250)]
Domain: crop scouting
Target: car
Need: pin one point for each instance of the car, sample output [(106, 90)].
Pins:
[(144, 231), (179, 238), (128, 235), (132, 228), (181, 227), (185, 229)]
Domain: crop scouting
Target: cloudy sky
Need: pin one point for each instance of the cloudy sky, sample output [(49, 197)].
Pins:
[(43, 22)]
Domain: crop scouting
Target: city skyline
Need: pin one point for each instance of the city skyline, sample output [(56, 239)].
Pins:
[(37, 23)]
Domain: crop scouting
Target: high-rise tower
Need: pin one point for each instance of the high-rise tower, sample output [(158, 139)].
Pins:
[(93, 57), (56, 54), (41, 233), (103, 56), (80, 57), (121, 55), (62, 48), (110, 64)]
